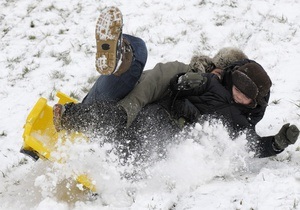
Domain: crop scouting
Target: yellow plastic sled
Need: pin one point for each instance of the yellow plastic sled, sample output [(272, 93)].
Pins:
[(40, 136)]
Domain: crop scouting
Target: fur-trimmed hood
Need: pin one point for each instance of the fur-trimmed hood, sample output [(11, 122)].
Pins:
[(221, 60)]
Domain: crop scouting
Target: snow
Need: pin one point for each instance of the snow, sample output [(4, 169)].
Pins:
[(50, 45)]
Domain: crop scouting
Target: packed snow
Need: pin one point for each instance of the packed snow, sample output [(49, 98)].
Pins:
[(49, 45)]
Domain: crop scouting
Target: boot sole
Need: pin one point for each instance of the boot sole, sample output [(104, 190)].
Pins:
[(108, 37)]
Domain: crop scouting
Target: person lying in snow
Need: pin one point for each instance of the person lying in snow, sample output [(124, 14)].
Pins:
[(169, 97)]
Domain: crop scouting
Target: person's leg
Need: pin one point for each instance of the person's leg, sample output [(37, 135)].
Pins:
[(108, 40), (89, 118), (114, 88)]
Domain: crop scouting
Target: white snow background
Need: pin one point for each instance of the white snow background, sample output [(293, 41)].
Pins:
[(49, 45)]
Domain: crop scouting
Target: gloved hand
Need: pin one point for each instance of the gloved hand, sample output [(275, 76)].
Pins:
[(286, 136), (185, 109), (190, 80), (202, 64)]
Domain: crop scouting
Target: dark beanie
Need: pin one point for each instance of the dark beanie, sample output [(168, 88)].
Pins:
[(252, 80)]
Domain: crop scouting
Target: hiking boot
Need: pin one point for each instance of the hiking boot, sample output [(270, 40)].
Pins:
[(126, 58), (58, 111), (109, 40)]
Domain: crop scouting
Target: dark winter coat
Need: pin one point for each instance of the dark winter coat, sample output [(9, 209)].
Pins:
[(214, 99)]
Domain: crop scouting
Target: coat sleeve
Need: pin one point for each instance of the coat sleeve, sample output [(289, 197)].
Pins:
[(185, 109), (152, 86), (181, 106), (194, 91), (261, 146)]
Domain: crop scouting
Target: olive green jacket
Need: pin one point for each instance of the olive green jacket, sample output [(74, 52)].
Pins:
[(152, 86)]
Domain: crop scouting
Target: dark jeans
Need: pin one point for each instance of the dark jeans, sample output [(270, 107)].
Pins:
[(114, 88)]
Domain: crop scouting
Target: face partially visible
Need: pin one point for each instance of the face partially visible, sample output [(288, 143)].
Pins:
[(239, 97)]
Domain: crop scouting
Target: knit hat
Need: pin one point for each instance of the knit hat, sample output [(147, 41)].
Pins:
[(252, 80)]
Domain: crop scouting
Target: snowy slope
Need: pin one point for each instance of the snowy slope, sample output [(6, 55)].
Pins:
[(49, 45)]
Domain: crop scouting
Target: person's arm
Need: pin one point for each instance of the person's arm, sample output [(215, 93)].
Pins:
[(190, 84), (272, 145), (184, 109), (183, 86), (153, 86), (261, 146)]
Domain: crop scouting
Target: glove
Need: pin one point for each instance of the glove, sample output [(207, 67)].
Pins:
[(186, 110), (286, 136), (202, 64), (190, 80)]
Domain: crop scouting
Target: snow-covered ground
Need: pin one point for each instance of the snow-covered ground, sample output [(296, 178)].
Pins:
[(49, 45)]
